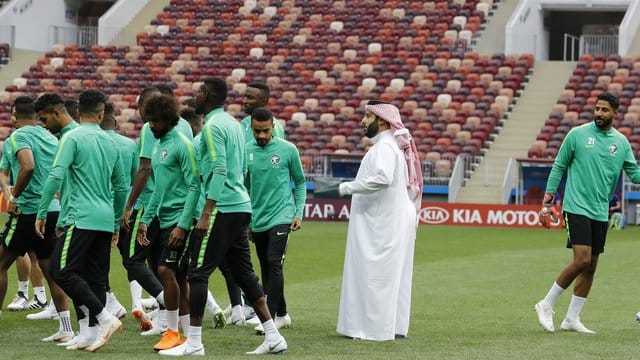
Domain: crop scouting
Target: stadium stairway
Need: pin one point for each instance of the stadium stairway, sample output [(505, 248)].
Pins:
[(518, 132), (492, 38), (16, 66), (150, 11)]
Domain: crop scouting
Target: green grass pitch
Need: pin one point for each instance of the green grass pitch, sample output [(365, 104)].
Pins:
[(473, 296)]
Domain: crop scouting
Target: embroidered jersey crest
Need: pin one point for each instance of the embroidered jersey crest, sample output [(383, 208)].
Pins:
[(275, 160), (163, 154), (613, 149)]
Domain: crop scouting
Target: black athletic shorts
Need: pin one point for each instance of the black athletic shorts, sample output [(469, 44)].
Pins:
[(585, 231), (174, 258), (19, 235)]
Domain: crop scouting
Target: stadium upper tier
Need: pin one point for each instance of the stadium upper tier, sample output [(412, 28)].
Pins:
[(321, 59), (593, 75)]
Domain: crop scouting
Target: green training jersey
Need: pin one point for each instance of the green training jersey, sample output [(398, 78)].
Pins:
[(146, 144), (97, 189), (593, 160), (128, 153), (42, 145), (222, 154), (64, 194), (278, 129), (270, 170), (177, 187)]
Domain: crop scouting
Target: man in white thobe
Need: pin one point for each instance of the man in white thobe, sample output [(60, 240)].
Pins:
[(375, 300)]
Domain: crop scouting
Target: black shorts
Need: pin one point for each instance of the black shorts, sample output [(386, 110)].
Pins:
[(19, 235), (176, 259), (128, 245), (585, 231)]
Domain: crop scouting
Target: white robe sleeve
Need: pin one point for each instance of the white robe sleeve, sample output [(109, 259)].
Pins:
[(383, 162)]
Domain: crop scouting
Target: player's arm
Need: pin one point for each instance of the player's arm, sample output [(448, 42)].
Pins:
[(300, 192), (385, 167), (214, 147), (135, 164), (191, 176), (630, 166), (27, 166), (139, 181), (5, 182), (120, 189), (562, 161), (64, 157)]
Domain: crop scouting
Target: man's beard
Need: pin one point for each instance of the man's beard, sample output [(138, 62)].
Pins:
[(372, 130), (606, 123)]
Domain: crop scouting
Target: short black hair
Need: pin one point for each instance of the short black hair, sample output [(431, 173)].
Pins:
[(109, 109), (262, 86), (165, 88), (610, 98), (24, 107), (261, 114), (47, 101), (189, 114), (190, 102), (164, 107), (72, 107), (217, 86), (377, 102), (146, 92), (91, 101)]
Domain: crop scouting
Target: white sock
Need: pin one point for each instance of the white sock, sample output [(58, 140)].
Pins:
[(92, 333), (65, 321), (84, 328), (271, 333), (236, 312), (109, 299), (550, 300), (40, 294), (575, 306), (23, 287), (194, 340), (185, 321), (160, 298), (211, 302), (112, 299), (105, 317), (172, 320), (136, 294), (162, 317)]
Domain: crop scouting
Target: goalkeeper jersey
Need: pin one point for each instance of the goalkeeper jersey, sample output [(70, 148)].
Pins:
[(593, 160)]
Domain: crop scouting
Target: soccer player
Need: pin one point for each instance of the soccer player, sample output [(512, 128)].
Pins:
[(141, 190), (130, 160), (88, 158), (257, 95), (173, 201), (195, 120), (225, 237), (72, 108), (593, 155), (29, 157), (27, 264), (272, 163)]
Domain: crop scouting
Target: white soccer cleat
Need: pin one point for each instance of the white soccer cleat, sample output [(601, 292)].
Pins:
[(282, 321), (48, 313), (60, 336), (254, 321), (575, 325), (158, 324), (80, 344), (248, 312), (105, 332), (149, 303), (183, 350), (227, 311), (240, 320), (144, 322), (118, 311), (19, 302), (35, 304), (276, 347), (545, 317)]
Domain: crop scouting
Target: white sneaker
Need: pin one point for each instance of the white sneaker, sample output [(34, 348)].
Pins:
[(80, 344), (158, 324), (545, 317), (149, 303), (254, 321), (35, 304), (144, 322), (248, 312), (60, 336), (282, 321), (69, 342), (49, 313), (227, 311), (118, 311), (237, 320), (183, 350), (575, 325), (259, 329), (19, 302), (104, 334), (277, 347)]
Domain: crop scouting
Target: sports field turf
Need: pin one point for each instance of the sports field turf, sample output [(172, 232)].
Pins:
[(473, 296)]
